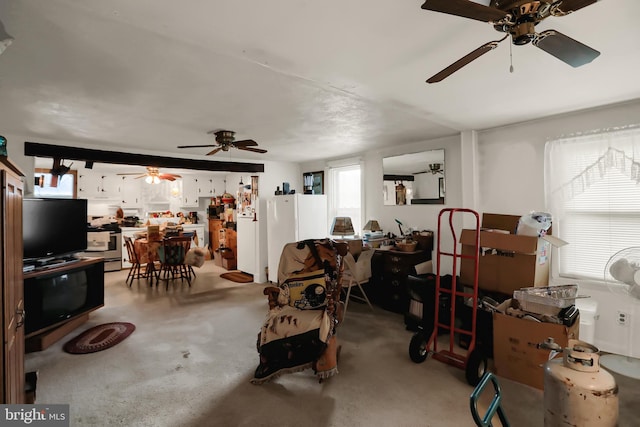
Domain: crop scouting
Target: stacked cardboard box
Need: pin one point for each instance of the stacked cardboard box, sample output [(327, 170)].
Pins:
[(508, 261), (515, 346)]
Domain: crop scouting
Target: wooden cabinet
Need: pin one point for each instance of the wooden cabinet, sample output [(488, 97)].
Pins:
[(389, 277), (215, 225), (228, 252), (11, 282)]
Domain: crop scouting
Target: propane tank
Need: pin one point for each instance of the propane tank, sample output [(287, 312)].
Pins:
[(577, 391)]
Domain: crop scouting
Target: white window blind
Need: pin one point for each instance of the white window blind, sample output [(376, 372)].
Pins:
[(592, 186)]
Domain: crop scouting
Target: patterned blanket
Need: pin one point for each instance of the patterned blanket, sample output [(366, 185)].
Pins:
[(296, 334)]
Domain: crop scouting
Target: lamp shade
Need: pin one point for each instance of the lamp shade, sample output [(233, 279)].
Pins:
[(372, 225), (342, 226)]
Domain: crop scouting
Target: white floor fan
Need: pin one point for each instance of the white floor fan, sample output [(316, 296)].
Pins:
[(622, 276)]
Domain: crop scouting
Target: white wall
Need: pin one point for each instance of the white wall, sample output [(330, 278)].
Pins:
[(502, 171), (511, 180)]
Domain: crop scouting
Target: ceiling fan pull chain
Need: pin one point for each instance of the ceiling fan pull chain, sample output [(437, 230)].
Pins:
[(511, 57)]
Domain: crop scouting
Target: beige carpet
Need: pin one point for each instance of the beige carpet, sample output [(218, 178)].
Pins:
[(193, 352)]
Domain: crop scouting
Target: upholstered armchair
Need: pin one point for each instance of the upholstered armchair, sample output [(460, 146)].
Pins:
[(299, 331)]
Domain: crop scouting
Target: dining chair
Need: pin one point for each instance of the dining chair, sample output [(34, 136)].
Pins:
[(193, 235), (356, 273), (172, 254), (136, 271)]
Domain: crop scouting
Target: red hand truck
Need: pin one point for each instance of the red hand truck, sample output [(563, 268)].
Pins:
[(425, 342)]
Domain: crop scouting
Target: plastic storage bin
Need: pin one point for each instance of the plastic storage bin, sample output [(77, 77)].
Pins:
[(546, 300)]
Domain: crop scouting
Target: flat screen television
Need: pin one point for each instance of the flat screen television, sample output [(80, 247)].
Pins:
[(53, 228)]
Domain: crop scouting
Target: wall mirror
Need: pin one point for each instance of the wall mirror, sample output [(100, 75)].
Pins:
[(414, 179)]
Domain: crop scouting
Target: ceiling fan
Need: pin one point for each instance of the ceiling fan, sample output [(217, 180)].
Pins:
[(153, 175), (57, 171), (225, 140), (518, 19)]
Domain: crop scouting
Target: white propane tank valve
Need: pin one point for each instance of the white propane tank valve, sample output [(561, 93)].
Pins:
[(576, 390)]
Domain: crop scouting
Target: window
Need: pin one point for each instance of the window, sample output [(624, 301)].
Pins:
[(66, 187), (592, 186), (345, 196)]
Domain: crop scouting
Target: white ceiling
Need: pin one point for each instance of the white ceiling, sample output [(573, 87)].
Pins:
[(306, 79)]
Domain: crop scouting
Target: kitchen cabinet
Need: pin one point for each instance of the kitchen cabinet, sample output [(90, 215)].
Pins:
[(189, 191), (92, 185), (205, 186), (130, 192)]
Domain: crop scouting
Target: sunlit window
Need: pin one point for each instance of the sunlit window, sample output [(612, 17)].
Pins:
[(346, 194), (66, 187)]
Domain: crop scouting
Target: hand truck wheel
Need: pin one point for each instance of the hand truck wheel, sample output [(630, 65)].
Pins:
[(418, 347), (476, 366)]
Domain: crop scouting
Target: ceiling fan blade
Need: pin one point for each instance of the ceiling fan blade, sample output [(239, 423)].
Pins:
[(245, 143), (255, 150), (572, 5), (210, 153), (466, 9), (565, 48), (169, 176), (197, 146), (464, 61)]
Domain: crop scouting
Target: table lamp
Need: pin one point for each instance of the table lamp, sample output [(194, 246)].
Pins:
[(372, 225), (342, 226)]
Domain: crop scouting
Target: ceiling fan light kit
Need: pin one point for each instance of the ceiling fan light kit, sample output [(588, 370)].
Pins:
[(153, 175), (517, 18)]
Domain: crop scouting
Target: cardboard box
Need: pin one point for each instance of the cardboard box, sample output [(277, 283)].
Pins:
[(507, 261), (515, 351)]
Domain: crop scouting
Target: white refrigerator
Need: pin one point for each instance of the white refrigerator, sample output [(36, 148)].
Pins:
[(292, 218), (252, 242)]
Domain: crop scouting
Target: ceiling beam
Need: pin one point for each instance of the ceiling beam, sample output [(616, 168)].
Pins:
[(115, 157)]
